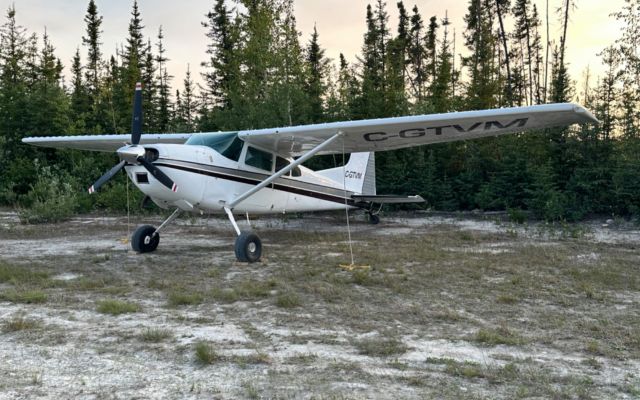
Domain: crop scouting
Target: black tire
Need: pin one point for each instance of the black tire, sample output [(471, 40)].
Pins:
[(144, 241), (374, 219), (248, 247)]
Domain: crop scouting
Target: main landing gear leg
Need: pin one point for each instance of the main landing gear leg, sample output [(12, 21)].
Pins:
[(248, 245), (374, 216), (146, 238)]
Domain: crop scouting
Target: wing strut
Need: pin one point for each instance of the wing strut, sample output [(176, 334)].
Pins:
[(283, 171)]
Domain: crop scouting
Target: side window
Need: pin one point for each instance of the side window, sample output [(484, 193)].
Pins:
[(281, 163), (258, 159)]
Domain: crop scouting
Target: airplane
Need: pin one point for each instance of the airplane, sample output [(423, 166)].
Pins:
[(261, 171)]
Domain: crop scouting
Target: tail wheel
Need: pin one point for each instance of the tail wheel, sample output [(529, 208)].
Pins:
[(143, 239), (374, 219), (248, 247)]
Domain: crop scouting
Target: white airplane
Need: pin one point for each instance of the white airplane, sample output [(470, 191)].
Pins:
[(261, 172)]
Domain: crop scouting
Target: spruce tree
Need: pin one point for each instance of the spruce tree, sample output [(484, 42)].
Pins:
[(316, 85), (94, 54), (417, 56), (483, 87), (221, 71), (163, 85)]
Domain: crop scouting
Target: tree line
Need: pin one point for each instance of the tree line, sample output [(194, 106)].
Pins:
[(258, 72)]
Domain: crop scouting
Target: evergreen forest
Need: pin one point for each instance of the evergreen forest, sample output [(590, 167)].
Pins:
[(259, 72)]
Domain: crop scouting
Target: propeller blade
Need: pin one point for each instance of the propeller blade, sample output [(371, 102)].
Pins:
[(136, 121), (159, 175), (105, 178)]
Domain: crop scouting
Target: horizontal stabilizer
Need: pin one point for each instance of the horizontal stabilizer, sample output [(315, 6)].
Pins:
[(387, 199)]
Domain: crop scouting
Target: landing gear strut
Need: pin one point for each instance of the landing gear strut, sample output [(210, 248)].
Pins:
[(374, 219), (374, 215)]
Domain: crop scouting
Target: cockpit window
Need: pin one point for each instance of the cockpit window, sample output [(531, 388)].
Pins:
[(227, 144)]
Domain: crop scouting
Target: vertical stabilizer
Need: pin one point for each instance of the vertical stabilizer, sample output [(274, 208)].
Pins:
[(358, 176)]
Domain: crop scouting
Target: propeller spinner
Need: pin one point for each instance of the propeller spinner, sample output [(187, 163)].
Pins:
[(134, 153)]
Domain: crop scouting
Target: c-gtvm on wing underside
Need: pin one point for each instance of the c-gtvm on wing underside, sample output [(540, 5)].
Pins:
[(261, 172)]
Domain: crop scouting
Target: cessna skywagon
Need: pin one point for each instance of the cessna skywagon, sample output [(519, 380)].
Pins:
[(261, 171)]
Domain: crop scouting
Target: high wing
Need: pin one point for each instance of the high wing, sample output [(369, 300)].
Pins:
[(397, 133), (106, 143)]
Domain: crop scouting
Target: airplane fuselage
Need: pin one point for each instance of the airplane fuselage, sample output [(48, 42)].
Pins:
[(207, 181)]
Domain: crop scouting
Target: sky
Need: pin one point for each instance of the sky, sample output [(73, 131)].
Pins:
[(340, 23)]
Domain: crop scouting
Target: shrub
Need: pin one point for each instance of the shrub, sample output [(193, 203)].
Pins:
[(51, 199)]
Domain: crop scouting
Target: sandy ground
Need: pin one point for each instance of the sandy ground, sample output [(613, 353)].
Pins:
[(402, 329)]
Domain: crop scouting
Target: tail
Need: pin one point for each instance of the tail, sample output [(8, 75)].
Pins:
[(358, 176)]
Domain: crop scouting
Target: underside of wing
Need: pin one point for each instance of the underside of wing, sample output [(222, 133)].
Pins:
[(402, 132), (106, 143)]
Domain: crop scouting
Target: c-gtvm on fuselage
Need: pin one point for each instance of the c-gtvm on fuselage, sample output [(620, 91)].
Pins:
[(261, 172)]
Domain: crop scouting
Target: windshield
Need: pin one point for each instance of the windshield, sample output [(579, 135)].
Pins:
[(227, 144)]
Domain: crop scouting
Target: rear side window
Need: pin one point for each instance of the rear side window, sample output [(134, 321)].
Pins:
[(258, 159), (283, 163)]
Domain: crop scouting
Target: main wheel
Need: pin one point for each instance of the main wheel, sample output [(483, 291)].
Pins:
[(143, 240), (248, 247), (374, 219)]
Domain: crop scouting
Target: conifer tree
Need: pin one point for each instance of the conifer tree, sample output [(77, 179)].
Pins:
[(483, 87), (221, 71), (417, 56), (94, 53), (163, 86), (316, 85)]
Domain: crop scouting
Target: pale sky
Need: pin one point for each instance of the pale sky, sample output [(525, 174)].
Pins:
[(341, 24)]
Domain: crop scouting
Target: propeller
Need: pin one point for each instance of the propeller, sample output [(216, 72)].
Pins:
[(134, 153)]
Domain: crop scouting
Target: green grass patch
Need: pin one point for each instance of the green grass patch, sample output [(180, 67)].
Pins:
[(20, 275), (156, 335), (288, 299), (502, 335), (182, 298), (381, 347), (117, 307), (244, 290), (17, 324), (24, 296), (206, 354)]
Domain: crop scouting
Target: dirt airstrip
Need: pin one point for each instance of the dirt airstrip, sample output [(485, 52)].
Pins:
[(450, 307)]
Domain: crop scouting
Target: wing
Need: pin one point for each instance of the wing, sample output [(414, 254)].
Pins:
[(106, 143), (398, 133)]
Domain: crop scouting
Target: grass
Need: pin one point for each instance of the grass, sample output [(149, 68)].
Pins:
[(117, 307), (20, 275), (288, 299), (19, 323), (539, 292), (246, 290), (156, 335), (183, 298), (502, 335), (381, 347), (206, 354), (24, 296)]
